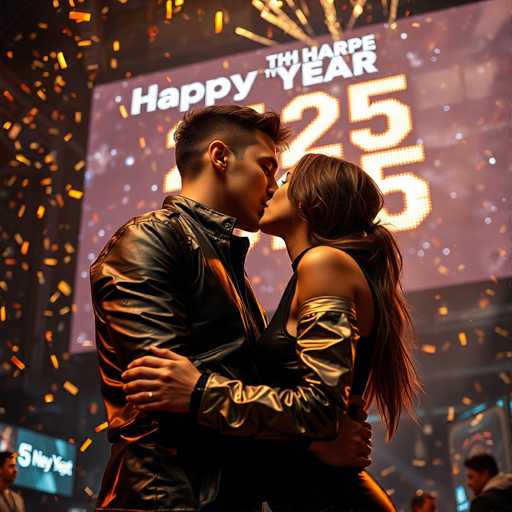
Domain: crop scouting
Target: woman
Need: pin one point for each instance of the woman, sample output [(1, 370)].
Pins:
[(344, 298)]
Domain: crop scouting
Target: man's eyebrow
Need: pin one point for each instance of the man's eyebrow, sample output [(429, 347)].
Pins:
[(272, 160)]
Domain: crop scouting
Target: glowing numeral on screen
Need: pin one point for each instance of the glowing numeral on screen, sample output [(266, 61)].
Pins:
[(415, 191), (398, 114), (328, 112)]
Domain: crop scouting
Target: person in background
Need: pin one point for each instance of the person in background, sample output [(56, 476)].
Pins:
[(492, 489), (423, 502), (10, 501)]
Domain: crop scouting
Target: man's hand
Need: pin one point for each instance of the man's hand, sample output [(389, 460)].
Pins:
[(352, 447), (163, 381)]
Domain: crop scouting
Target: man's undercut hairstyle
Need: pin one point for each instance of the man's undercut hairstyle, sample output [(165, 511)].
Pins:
[(482, 462), (235, 125), (4, 457)]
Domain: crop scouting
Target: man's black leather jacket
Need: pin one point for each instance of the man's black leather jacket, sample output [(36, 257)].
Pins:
[(175, 278), (172, 278)]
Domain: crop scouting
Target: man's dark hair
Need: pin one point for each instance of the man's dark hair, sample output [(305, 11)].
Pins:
[(482, 462), (5, 456), (233, 124), (420, 499)]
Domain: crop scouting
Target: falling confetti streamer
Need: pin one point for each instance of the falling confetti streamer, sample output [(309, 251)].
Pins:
[(17, 362), (79, 16), (62, 60), (101, 426), (70, 388), (86, 444)]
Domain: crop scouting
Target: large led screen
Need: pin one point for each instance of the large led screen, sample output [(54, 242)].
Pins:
[(423, 107)]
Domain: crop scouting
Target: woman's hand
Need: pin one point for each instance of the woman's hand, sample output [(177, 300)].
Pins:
[(353, 445), (163, 381)]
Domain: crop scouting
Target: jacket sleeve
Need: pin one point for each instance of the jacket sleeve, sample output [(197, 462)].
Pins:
[(326, 338), (136, 291)]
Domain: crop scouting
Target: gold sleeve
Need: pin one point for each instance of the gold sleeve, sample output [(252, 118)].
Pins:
[(326, 337)]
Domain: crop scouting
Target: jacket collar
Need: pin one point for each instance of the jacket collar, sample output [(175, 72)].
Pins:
[(213, 221), (501, 481)]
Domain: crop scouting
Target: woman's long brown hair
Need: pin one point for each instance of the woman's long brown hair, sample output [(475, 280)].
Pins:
[(340, 203)]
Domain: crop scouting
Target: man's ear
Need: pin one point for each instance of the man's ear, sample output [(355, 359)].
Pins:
[(218, 153)]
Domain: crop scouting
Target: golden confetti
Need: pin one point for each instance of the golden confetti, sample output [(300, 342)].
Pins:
[(101, 426), (23, 159), (442, 310), (451, 413), (466, 400), (428, 349), (24, 247), (123, 111), (54, 297), (75, 194), (49, 398), (85, 444), (61, 60), (3, 314), (116, 46), (70, 388), (14, 131), (505, 377), (8, 95), (142, 142), (40, 211), (484, 303), (55, 361), (68, 136), (18, 362), (64, 288), (85, 42), (80, 16), (501, 332), (219, 22), (88, 491), (463, 340), (387, 471), (168, 9), (51, 262)]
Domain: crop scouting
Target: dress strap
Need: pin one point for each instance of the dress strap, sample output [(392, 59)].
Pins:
[(297, 259)]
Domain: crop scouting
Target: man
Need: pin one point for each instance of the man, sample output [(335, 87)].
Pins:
[(493, 490), (174, 278), (423, 502), (10, 501)]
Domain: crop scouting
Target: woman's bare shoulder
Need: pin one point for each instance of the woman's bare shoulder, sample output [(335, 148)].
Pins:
[(326, 270)]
